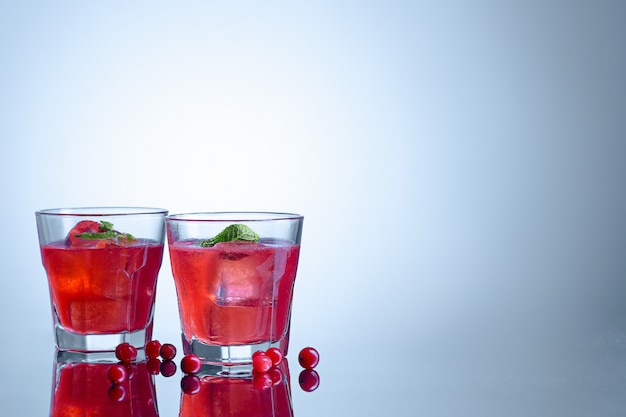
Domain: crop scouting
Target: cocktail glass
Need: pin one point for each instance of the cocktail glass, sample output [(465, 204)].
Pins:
[(102, 265), (234, 275)]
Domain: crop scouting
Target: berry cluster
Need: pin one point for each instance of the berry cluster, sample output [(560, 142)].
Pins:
[(263, 361), (120, 372), (265, 368), (266, 371), (164, 366), (127, 354), (160, 360)]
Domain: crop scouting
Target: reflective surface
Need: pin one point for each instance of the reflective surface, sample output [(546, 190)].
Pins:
[(581, 378)]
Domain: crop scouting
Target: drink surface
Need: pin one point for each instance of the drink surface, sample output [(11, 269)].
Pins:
[(104, 288), (81, 390), (234, 293)]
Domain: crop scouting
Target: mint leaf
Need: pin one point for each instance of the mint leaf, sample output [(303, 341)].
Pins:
[(112, 234), (234, 232), (97, 235), (106, 226)]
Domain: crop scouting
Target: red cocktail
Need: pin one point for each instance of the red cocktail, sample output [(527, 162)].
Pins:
[(106, 289), (234, 285), (102, 280), (234, 293)]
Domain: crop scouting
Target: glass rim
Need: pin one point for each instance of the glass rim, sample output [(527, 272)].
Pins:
[(101, 211), (232, 216)]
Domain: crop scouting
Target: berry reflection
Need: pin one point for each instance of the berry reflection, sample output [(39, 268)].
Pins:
[(309, 380)]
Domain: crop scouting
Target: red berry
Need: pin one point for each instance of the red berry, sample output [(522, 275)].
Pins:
[(309, 380), (168, 351), (126, 352), (262, 381), (153, 349), (117, 373), (261, 364), (85, 226), (258, 352), (191, 364), (277, 375), (116, 393), (168, 368), (275, 355), (190, 384), (153, 366), (308, 358)]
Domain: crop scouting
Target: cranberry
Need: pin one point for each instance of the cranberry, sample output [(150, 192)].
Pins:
[(309, 380), (262, 381), (153, 366), (277, 375), (168, 368), (190, 384), (275, 355), (116, 393), (308, 358), (153, 349), (168, 351), (126, 352), (117, 373), (191, 364), (261, 363)]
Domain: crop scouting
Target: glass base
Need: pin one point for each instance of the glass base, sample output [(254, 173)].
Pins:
[(239, 356), (66, 340), (69, 356)]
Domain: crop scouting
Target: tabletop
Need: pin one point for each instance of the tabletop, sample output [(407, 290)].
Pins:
[(543, 378)]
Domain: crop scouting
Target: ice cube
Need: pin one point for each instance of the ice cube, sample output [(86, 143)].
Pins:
[(98, 315), (241, 281)]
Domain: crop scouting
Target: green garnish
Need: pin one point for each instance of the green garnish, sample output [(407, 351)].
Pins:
[(234, 232), (107, 232)]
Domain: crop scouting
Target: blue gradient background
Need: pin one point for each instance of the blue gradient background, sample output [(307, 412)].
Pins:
[(460, 166)]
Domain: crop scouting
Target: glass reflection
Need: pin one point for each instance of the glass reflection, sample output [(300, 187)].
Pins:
[(81, 388), (217, 392)]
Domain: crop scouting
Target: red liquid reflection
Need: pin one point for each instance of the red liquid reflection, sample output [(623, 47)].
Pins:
[(83, 389), (240, 397)]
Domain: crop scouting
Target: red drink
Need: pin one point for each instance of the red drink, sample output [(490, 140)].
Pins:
[(102, 265), (238, 397), (234, 293), (105, 287), (82, 389)]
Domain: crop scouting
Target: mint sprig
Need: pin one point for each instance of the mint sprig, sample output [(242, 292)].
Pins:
[(232, 233), (106, 232)]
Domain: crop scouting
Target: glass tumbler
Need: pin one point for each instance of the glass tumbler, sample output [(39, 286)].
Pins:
[(234, 274), (102, 265)]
